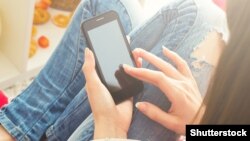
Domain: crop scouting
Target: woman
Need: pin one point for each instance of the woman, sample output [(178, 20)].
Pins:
[(187, 26), (227, 99), (56, 103)]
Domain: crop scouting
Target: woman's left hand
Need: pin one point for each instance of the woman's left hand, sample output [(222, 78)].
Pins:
[(178, 85), (111, 121)]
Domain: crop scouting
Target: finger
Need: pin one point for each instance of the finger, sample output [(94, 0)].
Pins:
[(93, 83), (89, 68), (150, 76), (165, 119), (98, 95), (180, 63), (138, 60), (156, 78), (165, 67), (126, 106)]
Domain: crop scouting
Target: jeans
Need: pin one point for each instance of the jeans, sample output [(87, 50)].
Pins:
[(180, 26), (56, 101)]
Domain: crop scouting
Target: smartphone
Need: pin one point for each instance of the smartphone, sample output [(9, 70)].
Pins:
[(107, 40)]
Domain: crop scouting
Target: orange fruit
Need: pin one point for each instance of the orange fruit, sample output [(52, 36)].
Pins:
[(43, 42), (41, 5), (47, 2)]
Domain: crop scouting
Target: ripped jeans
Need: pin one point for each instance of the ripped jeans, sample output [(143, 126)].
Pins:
[(56, 101), (181, 26)]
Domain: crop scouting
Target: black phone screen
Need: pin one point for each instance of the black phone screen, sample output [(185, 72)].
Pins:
[(111, 52)]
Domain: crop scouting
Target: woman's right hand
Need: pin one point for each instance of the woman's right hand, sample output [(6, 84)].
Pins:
[(178, 85)]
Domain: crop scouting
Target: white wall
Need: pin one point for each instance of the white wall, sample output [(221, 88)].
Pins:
[(16, 30)]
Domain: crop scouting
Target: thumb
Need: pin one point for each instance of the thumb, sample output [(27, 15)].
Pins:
[(89, 68), (96, 91), (165, 119)]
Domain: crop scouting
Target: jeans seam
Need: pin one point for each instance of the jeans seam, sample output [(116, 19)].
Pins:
[(12, 125), (75, 68), (78, 46)]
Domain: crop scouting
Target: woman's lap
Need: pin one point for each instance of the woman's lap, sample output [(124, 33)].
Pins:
[(174, 27), (178, 26)]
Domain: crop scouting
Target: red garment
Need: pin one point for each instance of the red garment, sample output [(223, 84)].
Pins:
[(3, 99)]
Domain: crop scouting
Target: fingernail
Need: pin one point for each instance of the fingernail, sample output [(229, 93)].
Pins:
[(138, 50), (140, 60), (126, 67), (164, 48), (141, 106)]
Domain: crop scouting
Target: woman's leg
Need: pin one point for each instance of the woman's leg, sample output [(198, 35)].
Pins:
[(76, 112), (29, 115), (187, 24), (180, 26), (85, 131)]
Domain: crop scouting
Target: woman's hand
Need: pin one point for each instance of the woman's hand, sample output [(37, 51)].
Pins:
[(111, 121), (178, 85)]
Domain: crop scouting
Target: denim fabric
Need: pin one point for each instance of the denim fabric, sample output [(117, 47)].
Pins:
[(180, 26), (85, 131), (30, 114), (66, 123)]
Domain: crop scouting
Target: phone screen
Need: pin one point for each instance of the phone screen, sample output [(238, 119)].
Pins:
[(111, 52)]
